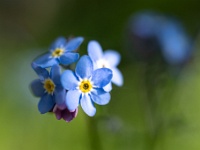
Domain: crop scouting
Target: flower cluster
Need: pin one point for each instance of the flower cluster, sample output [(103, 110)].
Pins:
[(62, 90)]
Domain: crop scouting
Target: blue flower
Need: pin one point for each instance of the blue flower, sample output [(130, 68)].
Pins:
[(48, 87), (152, 34), (108, 59), (85, 86), (61, 52)]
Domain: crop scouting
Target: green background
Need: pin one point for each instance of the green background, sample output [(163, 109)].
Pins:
[(27, 28)]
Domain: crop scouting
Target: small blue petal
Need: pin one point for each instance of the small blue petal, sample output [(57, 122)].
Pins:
[(112, 57), (101, 77), (69, 80), (117, 77), (88, 106), (58, 43), (100, 97), (46, 103), (46, 61), (84, 67), (73, 44), (60, 95), (95, 51), (72, 99), (41, 72), (69, 58), (37, 88), (55, 74)]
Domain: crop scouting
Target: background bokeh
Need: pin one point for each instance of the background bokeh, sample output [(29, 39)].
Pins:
[(27, 28)]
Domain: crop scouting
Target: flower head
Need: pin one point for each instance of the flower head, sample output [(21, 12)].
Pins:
[(61, 52), (64, 113), (152, 36), (85, 86), (48, 87), (108, 59)]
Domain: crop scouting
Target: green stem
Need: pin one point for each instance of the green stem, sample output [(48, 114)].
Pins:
[(94, 137)]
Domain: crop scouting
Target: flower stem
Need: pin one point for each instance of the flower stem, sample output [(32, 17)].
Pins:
[(94, 137)]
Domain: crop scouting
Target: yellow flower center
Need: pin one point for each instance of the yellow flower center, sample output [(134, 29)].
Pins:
[(49, 86), (57, 52), (85, 86)]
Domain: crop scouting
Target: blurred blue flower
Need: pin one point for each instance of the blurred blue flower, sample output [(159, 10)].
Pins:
[(85, 86), (48, 87), (152, 33), (176, 45), (61, 52), (64, 113), (108, 59)]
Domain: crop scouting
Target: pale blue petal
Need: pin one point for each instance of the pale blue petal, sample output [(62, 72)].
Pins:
[(84, 67), (60, 95), (72, 99), (108, 87), (73, 44), (69, 80), (100, 97), (88, 106), (37, 88), (41, 72), (101, 77), (46, 103), (69, 58), (117, 77), (46, 61), (112, 57), (95, 51), (55, 74), (58, 43)]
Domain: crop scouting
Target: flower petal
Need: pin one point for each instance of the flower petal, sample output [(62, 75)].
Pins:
[(74, 43), (87, 105), (60, 95), (101, 77), (72, 99), (113, 57), (46, 103), (41, 72), (117, 77), (57, 112), (69, 80), (95, 51), (46, 61), (37, 88), (58, 43), (55, 74), (108, 87), (84, 67), (69, 116), (100, 97), (68, 58)]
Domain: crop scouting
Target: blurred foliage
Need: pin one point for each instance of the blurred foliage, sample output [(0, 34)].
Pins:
[(28, 27)]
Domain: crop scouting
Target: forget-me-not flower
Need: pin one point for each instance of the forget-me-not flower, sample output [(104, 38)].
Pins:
[(151, 34), (61, 52), (85, 86), (108, 59), (48, 87)]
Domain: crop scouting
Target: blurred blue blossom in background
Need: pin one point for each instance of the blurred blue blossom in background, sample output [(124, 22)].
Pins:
[(151, 33)]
